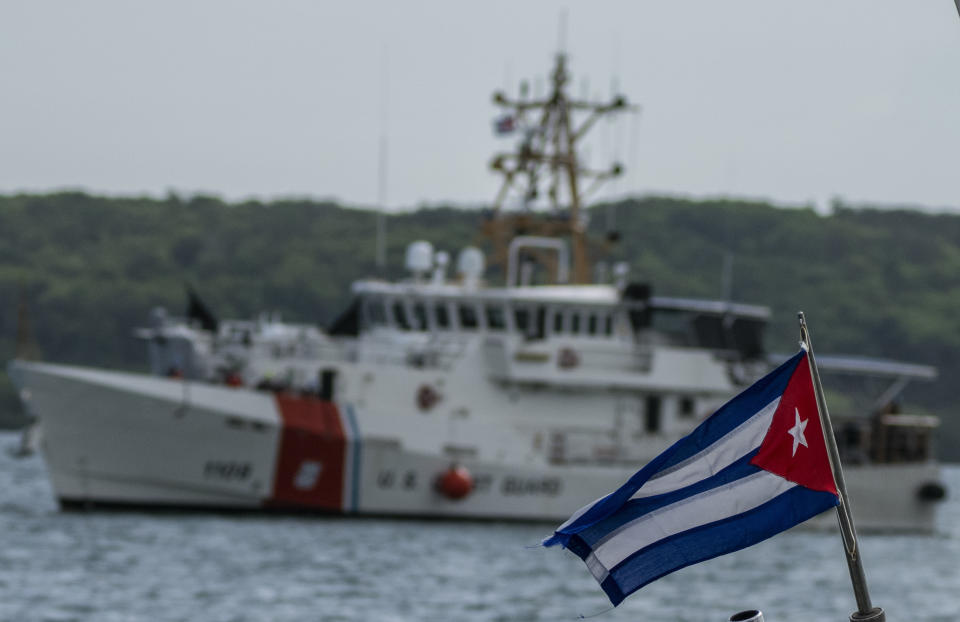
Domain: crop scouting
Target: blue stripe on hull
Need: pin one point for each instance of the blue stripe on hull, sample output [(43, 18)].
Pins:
[(355, 451)]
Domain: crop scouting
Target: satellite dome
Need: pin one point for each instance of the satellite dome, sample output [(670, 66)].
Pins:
[(470, 263), (419, 257)]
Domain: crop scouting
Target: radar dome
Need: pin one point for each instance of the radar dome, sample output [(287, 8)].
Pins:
[(419, 256), (470, 262)]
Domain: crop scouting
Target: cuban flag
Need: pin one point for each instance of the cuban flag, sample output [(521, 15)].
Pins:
[(754, 468)]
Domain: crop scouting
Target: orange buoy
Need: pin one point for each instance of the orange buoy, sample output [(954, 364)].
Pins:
[(233, 379), (455, 483), (567, 358), (427, 397)]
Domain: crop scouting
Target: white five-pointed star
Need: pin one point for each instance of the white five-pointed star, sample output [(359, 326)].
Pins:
[(797, 432)]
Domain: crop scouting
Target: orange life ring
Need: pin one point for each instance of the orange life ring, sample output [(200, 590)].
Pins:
[(427, 397)]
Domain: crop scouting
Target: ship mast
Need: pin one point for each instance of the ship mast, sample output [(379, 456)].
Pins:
[(546, 157)]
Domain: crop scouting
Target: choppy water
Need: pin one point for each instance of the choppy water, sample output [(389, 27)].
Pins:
[(224, 568)]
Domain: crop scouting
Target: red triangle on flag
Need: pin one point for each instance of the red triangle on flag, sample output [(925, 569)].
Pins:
[(794, 447)]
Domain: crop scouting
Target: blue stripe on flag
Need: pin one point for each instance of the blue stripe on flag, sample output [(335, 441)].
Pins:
[(635, 508), (715, 427), (708, 541)]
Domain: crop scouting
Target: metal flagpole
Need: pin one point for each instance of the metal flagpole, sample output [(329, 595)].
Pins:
[(866, 612)]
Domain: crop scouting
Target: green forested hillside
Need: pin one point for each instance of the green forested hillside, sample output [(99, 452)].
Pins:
[(872, 281)]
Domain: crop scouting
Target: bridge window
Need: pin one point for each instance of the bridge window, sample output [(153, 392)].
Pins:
[(711, 332), (608, 325), (521, 320), (592, 324), (468, 317), (496, 319), (674, 324), (652, 419), (557, 321), (686, 407), (442, 315), (375, 312), (540, 325), (575, 322), (748, 337), (400, 316), (419, 316)]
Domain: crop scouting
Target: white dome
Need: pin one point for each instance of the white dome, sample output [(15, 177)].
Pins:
[(470, 262), (419, 256)]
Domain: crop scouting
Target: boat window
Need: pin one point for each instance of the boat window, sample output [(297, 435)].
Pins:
[(637, 299), (652, 420), (674, 324), (442, 315), (686, 407), (592, 324), (468, 317), (496, 319), (521, 320), (574, 322), (375, 312), (748, 337), (557, 321), (419, 316), (400, 316), (540, 328), (608, 325), (710, 331)]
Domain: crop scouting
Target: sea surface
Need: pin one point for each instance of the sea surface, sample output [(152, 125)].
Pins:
[(114, 567)]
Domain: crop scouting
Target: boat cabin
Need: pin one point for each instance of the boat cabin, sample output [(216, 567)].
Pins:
[(586, 312)]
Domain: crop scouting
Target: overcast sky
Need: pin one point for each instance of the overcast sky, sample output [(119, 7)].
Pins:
[(797, 102)]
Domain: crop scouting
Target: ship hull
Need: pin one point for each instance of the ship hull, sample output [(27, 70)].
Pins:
[(113, 439)]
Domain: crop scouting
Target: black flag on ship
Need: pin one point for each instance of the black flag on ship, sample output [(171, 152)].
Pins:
[(197, 310)]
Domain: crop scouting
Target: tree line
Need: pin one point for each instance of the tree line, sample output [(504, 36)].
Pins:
[(873, 281)]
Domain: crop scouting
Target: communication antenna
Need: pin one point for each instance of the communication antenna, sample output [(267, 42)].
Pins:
[(381, 250), (616, 142), (545, 167), (612, 141), (562, 31), (633, 148)]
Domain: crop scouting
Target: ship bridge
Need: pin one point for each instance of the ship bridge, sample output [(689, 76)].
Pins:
[(598, 313)]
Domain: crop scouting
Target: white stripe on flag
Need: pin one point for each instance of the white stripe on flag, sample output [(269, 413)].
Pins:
[(726, 450), (709, 506)]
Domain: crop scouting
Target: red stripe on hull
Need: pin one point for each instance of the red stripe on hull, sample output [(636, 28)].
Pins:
[(312, 455)]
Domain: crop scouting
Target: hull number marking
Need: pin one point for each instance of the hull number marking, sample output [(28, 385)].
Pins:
[(227, 470)]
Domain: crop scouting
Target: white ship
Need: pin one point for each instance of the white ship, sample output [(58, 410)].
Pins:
[(441, 396)]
